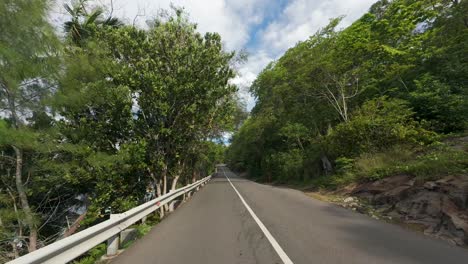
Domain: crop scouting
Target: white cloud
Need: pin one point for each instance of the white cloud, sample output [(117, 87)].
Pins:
[(299, 20), (248, 72), (230, 18), (302, 18)]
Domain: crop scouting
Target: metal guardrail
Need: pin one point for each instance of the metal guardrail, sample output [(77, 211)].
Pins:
[(71, 247)]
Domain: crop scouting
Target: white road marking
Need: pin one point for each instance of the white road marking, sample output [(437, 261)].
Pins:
[(274, 243)]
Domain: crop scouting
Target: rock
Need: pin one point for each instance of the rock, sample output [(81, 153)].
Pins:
[(361, 210), (438, 213), (385, 209), (383, 185), (458, 217), (393, 196), (422, 205), (456, 187), (430, 185), (439, 208)]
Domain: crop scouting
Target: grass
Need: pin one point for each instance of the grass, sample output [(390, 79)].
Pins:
[(374, 166), (438, 164), (95, 254), (425, 164)]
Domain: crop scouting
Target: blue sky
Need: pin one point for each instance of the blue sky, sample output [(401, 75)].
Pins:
[(263, 28)]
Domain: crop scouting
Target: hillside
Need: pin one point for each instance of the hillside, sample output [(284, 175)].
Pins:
[(375, 105)]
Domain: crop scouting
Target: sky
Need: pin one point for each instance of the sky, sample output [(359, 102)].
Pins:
[(264, 29)]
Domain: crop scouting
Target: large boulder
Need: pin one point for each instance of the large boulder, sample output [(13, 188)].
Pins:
[(440, 206)]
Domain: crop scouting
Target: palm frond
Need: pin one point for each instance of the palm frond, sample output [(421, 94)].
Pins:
[(69, 10), (93, 17)]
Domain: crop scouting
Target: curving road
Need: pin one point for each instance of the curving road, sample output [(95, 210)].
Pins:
[(233, 220)]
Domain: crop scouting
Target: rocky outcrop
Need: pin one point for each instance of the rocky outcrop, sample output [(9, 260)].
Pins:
[(439, 207)]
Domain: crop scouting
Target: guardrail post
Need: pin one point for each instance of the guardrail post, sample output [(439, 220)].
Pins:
[(113, 242)]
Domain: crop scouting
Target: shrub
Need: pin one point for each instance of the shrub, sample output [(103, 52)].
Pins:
[(440, 162), (379, 125), (435, 162), (286, 166), (344, 164), (374, 166), (93, 255), (443, 109)]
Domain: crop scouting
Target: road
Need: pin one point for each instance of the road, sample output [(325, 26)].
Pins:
[(281, 226)]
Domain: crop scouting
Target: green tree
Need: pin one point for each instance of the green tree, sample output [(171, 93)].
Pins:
[(179, 82), (28, 57), (410, 51)]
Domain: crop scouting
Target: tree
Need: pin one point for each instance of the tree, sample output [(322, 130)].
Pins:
[(26, 37), (407, 50), (87, 129), (179, 82), (84, 23)]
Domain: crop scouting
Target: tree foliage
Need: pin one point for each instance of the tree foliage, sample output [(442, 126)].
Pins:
[(104, 119), (395, 76)]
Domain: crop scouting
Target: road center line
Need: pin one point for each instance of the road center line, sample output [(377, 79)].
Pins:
[(274, 243)]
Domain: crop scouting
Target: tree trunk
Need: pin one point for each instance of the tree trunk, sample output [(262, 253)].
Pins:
[(164, 182), (159, 194), (24, 200), (15, 249), (173, 187), (300, 143), (327, 167), (15, 208), (174, 183), (194, 176), (158, 191)]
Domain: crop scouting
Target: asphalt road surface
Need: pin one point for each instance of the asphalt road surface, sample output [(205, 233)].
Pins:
[(234, 220)]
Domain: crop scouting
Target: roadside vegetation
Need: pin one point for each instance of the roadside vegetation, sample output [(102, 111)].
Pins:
[(376, 99), (102, 116), (97, 254), (424, 164)]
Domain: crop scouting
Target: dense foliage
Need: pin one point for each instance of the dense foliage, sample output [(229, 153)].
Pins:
[(395, 78), (103, 119)]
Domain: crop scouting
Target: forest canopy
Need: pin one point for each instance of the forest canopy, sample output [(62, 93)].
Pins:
[(395, 78)]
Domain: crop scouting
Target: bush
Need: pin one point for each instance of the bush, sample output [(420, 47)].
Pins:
[(343, 164), (93, 255), (332, 182), (433, 163), (379, 165), (287, 166), (379, 125), (436, 103), (440, 162)]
